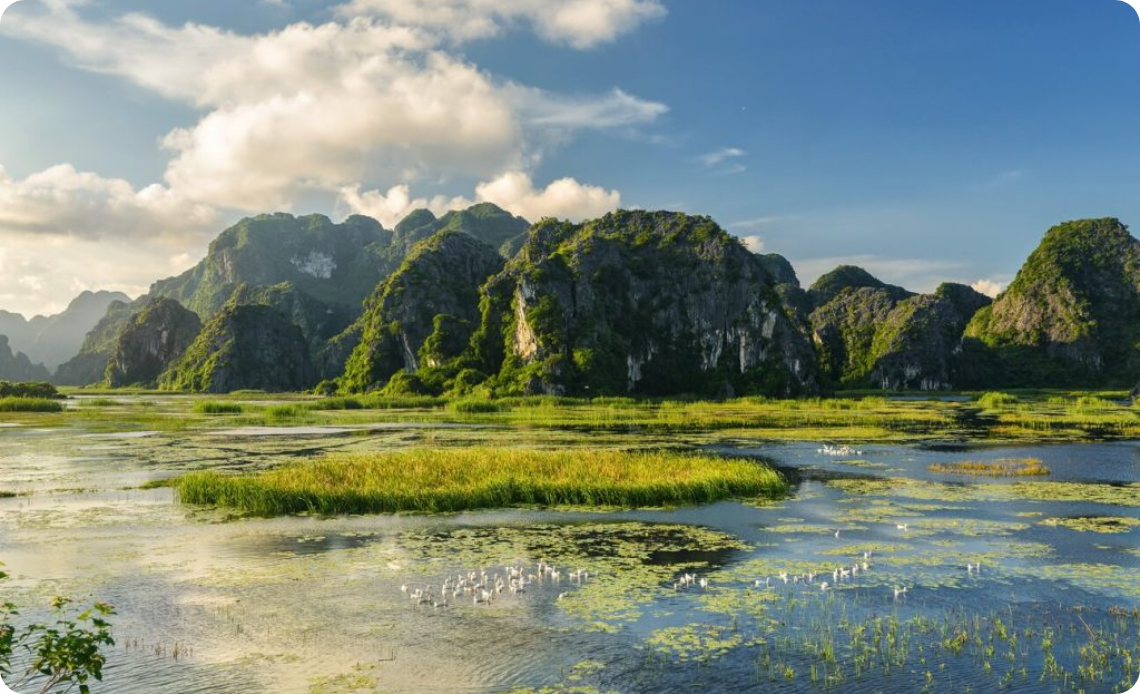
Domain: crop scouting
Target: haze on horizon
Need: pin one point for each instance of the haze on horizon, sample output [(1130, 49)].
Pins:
[(924, 143)]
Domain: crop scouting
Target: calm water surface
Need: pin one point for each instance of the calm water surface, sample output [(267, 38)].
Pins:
[(210, 603)]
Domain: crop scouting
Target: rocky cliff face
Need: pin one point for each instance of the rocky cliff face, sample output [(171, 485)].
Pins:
[(332, 263), (871, 334), (918, 345), (642, 302), (244, 347), (424, 314), (90, 365), (152, 340), (17, 367), (1072, 315)]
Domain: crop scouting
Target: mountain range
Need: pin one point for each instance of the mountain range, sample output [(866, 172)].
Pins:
[(52, 340), (637, 302)]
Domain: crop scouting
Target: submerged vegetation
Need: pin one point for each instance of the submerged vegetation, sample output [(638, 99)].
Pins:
[(455, 480)]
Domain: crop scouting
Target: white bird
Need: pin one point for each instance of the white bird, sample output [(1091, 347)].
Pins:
[(704, 584), (903, 526), (900, 592), (837, 534), (824, 586)]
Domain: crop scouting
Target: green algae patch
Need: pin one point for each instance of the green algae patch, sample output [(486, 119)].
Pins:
[(1095, 524), (449, 480)]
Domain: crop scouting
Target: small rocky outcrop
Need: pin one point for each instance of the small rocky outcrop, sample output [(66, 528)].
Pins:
[(645, 302), (152, 340), (244, 347), (423, 315)]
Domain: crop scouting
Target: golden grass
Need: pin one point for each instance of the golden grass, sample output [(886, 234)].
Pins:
[(444, 480)]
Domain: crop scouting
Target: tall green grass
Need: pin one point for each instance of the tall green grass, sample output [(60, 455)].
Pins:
[(444, 480), (217, 407), (30, 405)]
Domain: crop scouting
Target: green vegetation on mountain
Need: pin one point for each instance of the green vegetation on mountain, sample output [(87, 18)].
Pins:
[(844, 277), (152, 340), (424, 314), (1071, 316), (655, 303), (485, 222), (244, 347), (332, 263)]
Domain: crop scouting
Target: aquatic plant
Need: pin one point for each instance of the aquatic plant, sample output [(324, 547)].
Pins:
[(444, 480), (1008, 467)]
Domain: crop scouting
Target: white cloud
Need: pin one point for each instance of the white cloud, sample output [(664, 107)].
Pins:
[(64, 202), (753, 243), (760, 223), (565, 198), (65, 231), (720, 156), (991, 288), (580, 24), (513, 191), (324, 107)]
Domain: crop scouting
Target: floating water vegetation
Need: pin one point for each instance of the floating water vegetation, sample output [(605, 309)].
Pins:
[(447, 480), (1095, 524), (1006, 467)]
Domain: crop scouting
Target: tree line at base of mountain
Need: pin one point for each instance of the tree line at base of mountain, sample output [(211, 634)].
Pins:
[(637, 302)]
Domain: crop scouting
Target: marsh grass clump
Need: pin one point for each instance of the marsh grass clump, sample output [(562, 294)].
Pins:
[(475, 406), (997, 401), (17, 404), (280, 412), (214, 407), (1010, 467), (337, 403), (446, 480)]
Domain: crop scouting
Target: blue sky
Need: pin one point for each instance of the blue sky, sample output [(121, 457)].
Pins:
[(926, 141)]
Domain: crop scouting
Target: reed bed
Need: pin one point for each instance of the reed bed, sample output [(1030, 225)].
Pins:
[(1022, 467), (447, 480), (16, 404)]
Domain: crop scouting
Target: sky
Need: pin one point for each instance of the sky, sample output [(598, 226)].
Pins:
[(925, 141)]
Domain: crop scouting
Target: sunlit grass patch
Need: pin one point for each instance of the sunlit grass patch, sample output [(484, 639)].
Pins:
[(444, 480), (1008, 467)]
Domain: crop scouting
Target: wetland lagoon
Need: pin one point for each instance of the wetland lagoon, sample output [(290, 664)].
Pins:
[(913, 545)]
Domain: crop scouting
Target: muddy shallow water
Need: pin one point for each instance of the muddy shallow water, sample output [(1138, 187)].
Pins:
[(211, 603)]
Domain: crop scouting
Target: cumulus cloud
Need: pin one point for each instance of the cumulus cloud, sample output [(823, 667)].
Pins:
[(513, 191), (327, 106), (991, 288), (62, 201), (753, 243), (580, 24)]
